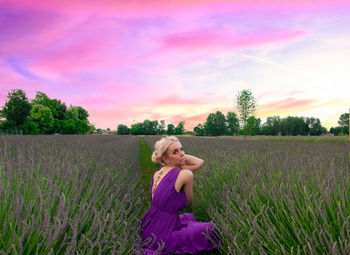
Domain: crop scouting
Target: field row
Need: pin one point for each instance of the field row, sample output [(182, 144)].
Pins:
[(83, 194), (69, 194), (273, 197)]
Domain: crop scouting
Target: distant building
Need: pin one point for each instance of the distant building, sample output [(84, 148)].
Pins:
[(105, 132)]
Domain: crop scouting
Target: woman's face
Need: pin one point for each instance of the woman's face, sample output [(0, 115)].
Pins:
[(175, 156)]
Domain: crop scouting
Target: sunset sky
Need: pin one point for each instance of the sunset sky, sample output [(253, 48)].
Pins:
[(125, 61)]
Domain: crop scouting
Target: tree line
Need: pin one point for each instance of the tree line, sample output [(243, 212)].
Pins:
[(148, 127), (246, 123), (218, 124), (43, 115)]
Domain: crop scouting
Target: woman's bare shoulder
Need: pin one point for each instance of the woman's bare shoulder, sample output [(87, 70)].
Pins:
[(186, 174)]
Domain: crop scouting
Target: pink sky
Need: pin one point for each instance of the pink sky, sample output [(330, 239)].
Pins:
[(127, 61)]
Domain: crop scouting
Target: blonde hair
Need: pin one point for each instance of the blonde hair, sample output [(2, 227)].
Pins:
[(161, 148)]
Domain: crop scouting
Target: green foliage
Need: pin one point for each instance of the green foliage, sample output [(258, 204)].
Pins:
[(6, 125), (30, 128), (76, 113), (344, 122), (294, 126), (215, 124), (338, 131), (82, 113), (45, 115), (253, 126), (232, 123), (58, 109), (42, 116), (161, 128), (179, 130), (137, 129), (76, 126), (16, 109), (246, 105), (92, 129), (123, 130), (199, 130), (81, 126), (272, 126), (314, 126), (171, 129), (150, 127)]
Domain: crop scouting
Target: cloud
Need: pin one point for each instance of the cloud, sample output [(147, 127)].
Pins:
[(176, 100), (19, 67), (287, 103), (224, 39)]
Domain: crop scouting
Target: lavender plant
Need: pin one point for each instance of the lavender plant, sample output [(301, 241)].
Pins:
[(273, 197), (69, 194)]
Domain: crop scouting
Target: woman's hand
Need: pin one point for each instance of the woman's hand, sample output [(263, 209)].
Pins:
[(182, 166), (192, 163)]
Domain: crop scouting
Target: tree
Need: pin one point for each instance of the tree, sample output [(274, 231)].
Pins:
[(81, 127), (161, 128), (56, 125), (77, 112), (272, 126), (246, 105), (58, 109), (82, 113), (137, 129), (150, 127), (179, 130), (42, 116), (30, 128), (294, 126), (215, 124), (123, 130), (170, 129), (314, 125), (68, 127), (199, 130), (92, 129), (16, 109), (232, 123), (253, 126), (209, 125), (344, 122)]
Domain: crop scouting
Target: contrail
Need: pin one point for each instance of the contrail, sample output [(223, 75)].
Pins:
[(275, 64)]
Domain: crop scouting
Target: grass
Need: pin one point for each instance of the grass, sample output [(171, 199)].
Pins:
[(147, 169), (325, 139), (69, 195), (273, 197), (86, 194)]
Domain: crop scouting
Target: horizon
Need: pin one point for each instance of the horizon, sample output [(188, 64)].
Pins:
[(125, 62)]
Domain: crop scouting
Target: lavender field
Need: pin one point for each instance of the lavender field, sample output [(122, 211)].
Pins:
[(82, 194), (273, 197), (69, 194)]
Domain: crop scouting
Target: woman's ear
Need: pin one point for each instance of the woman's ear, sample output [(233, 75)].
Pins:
[(164, 159)]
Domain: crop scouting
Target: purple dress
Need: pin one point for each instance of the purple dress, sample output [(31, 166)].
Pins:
[(163, 229)]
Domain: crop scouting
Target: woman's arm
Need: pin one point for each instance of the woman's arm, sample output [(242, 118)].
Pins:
[(192, 163)]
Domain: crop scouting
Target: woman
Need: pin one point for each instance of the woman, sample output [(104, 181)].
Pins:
[(162, 228)]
